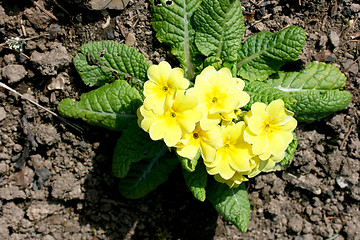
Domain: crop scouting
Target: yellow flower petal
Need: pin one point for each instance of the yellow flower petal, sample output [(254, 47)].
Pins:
[(207, 152), (189, 150), (167, 129)]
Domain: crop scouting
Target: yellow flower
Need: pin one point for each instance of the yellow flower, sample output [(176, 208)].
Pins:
[(218, 92), (263, 166), (234, 156), (161, 88), (233, 182), (269, 129), (179, 119), (207, 141)]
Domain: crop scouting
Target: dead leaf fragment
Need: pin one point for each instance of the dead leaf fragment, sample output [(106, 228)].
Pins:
[(110, 4)]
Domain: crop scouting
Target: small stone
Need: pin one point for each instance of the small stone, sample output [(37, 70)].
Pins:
[(334, 39), (48, 237), (42, 174), (49, 63), (351, 66), (342, 182), (2, 113), (4, 231), (4, 168), (14, 73), (30, 45), (296, 223), (11, 192), (17, 148), (66, 187), (323, 40), (9, 59), (59, 82), (47, 134), (41, 210), (130, 39), (13, 214), (355, 7)]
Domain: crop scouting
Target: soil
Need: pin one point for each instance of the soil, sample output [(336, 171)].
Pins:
[(56, 183)]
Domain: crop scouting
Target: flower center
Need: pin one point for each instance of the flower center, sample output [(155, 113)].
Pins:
[(267, 128), (226, 146), (172, 114), (196, 135), (214, 100), (165, 88)]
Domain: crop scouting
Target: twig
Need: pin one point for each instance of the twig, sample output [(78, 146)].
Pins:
[(349, 29), (346, 137), (119, 24), (259, 3), (74, 126), (45, 11), (61, 7)]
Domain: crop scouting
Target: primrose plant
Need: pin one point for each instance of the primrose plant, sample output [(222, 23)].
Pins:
[(226, 115)]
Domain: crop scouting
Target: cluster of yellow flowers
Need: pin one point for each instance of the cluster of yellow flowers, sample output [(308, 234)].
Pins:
[(204, 118)]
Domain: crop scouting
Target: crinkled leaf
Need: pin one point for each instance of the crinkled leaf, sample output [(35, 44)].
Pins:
[(266, 93), (316, 76), (196, 181), (289, 156), (173, 25), (105, 61), (133, 145), (146, 175), (111, 106), (264, 53), (315, 89), (219, 28), (189, 164), (232, 203), (311, 105), (213, 61)]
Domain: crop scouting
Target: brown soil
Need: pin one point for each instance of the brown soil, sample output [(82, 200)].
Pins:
[(56, 183)]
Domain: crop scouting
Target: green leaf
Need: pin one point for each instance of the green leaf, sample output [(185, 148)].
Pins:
[(105, 61), (219, 28), (111, 106), (133, 145), (287, 160), (173, 26), (313, 104), (189, 164), (146, 175), (315, 89), (316, 76), (213, 61), (232, 203), (196, 181), (264, 53), (266, 93)]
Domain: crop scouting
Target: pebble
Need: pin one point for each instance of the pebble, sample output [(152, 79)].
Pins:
[(49, 63), (334, 39), (296, 223), (2, 113), (58, 82), (323, 40), (130, 39), (350, 66), (355, 7), (14, 73), (9, 59)]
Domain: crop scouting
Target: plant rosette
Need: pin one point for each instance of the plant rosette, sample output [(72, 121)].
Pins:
[(225, 115)]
